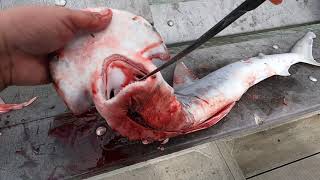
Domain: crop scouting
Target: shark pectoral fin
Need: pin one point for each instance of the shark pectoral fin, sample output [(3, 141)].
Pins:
[(214, 119), (182, 76)]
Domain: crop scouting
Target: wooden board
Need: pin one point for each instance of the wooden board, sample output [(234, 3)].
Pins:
[(193, 18), (70, 145)]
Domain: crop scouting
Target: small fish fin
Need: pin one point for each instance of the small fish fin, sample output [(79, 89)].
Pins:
[(214, 119), (4, 108), (304, 48), (182, 75)]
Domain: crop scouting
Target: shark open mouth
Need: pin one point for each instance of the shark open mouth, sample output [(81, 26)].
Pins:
[(119, 72)]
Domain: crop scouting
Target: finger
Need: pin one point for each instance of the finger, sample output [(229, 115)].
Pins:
[(29, 70), (91, 21), (41, 30)]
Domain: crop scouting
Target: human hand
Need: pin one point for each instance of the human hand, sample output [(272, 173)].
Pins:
[(29, 34)]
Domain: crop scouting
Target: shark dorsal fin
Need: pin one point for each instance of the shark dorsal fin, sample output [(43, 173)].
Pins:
[(182, 76)]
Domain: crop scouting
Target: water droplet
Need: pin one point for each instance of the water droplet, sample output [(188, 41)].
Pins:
[(165, 141), (145, 142), (258, 119), (170, 23), (101, 131), (275, 47), (60, 2), (313, 79), (261, 55)]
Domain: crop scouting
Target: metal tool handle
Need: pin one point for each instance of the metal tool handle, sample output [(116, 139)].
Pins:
[(246, 6)]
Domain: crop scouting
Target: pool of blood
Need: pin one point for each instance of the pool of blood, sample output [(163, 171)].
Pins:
[(77, 135)]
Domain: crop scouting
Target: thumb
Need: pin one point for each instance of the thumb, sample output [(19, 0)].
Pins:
[(90, 21)]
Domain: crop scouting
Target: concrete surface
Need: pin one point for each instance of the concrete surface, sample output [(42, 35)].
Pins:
[(202, 162), (260, 152)]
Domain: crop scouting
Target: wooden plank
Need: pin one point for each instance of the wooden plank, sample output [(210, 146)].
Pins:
[(307, 169), (269, 149), (200, 162), (193, 18)]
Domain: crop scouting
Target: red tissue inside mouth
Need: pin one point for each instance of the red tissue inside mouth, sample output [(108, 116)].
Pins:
[(131, 72)]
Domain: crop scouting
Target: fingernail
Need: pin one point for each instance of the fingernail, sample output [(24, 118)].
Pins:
[(103, 15)]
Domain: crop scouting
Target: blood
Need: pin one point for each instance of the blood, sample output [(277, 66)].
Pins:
[(71, 128), (73, 131), (276, 2), (157, 113), (151, 46)]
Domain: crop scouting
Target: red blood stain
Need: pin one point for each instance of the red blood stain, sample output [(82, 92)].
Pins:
[(74, 130), (151, 46), (118, 118), (70, 128), (276, 2), (94, 81)]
